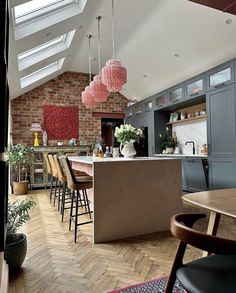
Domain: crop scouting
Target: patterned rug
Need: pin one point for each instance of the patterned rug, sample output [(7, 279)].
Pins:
[(152, 286)]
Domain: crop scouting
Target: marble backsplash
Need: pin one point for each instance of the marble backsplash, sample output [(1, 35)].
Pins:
[(195, 130)]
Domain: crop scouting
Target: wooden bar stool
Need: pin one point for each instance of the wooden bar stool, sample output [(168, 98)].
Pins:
[(78, 185)]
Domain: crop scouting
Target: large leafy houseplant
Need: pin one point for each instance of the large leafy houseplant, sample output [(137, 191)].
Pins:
[(16, 243), (19, 157)]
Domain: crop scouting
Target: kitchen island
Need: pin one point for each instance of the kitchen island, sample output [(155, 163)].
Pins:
[(132, 196)]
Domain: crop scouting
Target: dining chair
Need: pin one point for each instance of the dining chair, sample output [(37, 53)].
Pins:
[(211, 274), (79, 199)]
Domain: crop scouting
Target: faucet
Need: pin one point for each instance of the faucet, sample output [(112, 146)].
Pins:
[(187, 142)]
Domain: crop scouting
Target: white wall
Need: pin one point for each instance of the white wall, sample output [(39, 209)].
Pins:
[(195, 130)]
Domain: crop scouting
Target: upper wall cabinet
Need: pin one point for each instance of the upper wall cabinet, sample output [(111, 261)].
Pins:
[(195, 86), (138, 108), (129, 111), (148, 104), (220, 76), (176, 94), (160, 100)]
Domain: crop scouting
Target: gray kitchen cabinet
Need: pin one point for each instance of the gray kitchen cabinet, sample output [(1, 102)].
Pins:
[(160, 100), (148, 104), (222, 173), (220, 76), (176, 94), (221, 120), (193, 175), (195, 87)]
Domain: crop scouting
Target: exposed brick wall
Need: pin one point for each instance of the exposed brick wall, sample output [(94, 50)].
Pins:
[(65, 90)]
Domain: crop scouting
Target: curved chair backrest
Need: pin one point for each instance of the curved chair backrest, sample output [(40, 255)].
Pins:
[(49, 169), (53, 165), (181, 228), (71, 180), (60, 172)]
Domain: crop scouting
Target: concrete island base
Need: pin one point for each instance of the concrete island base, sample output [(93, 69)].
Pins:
[(133, 197)]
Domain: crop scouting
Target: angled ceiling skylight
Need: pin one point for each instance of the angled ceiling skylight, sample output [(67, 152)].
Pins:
[(34, 8), (41, 73), (45, 50)]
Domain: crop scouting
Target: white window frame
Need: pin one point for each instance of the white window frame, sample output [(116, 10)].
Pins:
[(45, 50), (41, 73), (35, 13)]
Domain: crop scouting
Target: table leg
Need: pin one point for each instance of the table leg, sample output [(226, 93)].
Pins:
[(212, 226)]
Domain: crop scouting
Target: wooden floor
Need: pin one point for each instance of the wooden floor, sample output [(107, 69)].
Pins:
[(54, 263)]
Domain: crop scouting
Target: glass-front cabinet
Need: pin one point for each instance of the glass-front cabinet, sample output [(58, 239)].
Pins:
[(220, 76), (176, 94), (138, 108), (148, 104), (161, 100), (195, 86), (129, 111)]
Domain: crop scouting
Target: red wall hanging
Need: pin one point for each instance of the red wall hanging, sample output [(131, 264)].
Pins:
[(60, 122)]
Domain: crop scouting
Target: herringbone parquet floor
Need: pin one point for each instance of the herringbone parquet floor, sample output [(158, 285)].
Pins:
[(55, 264)]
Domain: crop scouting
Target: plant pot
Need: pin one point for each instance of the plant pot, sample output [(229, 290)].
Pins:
[(169, 150), (20, 188), (15, 253)]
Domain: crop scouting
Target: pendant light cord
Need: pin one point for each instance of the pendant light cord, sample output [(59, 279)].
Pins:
[(99, 45), (113, 30), (89, 42)]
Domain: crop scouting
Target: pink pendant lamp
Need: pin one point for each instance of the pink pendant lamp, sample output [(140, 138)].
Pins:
[(86, 96), (114, 75), (98, 89)]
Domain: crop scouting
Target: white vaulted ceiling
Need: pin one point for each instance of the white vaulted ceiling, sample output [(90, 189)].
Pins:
[(161, 42)]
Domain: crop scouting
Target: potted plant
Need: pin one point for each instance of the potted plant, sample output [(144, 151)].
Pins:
[(16, 243), (168, 144), (19, 157)]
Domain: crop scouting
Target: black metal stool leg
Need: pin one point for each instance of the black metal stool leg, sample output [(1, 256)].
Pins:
[(76, 214), (51, 188), (71, 208)]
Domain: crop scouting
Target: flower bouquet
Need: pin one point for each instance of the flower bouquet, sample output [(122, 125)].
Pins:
[(127, 135)]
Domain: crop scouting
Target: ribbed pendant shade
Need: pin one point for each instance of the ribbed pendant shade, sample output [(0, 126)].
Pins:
[(88, 99), (98, 89), (114, 75)]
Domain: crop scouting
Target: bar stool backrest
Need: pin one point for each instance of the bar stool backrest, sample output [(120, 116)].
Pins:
[(71, 180), (49, 169), (59, 168), (53, 165)]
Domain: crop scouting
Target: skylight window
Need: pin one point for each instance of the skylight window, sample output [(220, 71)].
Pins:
[(45, 50), (35, 8), (41, 73)]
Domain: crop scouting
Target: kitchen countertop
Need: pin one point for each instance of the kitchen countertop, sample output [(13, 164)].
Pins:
[(91, 160), (181, 156)]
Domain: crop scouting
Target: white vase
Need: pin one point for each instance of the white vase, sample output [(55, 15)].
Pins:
[(127, 149)]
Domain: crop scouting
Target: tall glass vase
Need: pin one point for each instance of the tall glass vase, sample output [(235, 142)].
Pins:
[(127, 149)]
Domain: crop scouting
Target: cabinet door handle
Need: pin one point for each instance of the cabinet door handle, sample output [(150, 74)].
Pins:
[(219, 85)]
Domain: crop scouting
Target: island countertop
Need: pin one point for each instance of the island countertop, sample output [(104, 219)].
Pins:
[(91, 160)]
